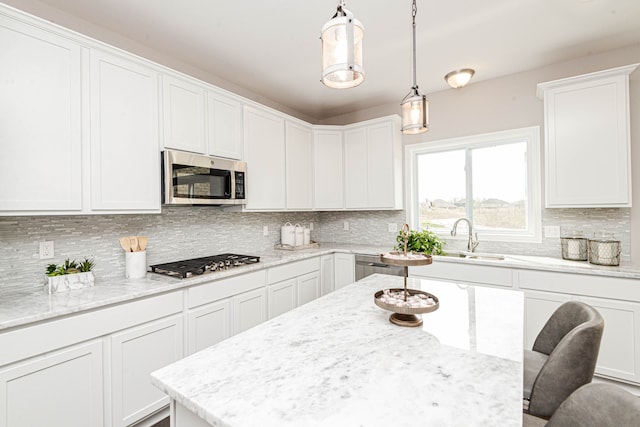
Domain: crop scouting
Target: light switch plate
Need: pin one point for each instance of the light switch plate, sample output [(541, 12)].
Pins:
[(551, 231), (392, 228), (311, 226), (265, 230), (345, 226)]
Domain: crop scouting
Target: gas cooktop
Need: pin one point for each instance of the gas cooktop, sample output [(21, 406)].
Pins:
[(196, 266)]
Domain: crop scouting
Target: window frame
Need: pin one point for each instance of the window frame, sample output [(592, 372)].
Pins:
[(529, 135)]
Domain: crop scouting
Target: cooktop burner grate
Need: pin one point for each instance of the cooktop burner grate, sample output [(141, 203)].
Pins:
[(190, 267)]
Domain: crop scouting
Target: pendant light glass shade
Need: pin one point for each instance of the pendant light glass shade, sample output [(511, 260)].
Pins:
[(415, 112), (342, 40), (415, 107)]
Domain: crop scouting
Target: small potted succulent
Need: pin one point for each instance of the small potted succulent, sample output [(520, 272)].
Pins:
[(69, 275)]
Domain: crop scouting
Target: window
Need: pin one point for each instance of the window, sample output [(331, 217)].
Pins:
[(492, 179)]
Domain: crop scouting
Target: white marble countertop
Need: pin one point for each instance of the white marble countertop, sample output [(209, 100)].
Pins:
[(22, 305), (339, 361)]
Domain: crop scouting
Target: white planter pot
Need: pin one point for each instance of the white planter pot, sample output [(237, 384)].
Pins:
[(68, 282)]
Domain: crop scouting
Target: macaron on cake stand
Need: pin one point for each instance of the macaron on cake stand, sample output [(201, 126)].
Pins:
[(407, 305)]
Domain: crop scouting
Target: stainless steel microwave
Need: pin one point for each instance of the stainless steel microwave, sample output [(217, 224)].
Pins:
[(194, 179)]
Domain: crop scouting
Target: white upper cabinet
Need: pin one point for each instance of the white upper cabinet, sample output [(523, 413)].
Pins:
[(587, 143), (264, 140), (183, 114), (299, 166), (224, 131), (40, 115), (125, 164), (328, 179), (373, 164)]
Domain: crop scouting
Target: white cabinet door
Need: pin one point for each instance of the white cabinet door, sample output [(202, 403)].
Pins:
[(265, 157), (384, 175), (327, 274), (63, 388), (282, 297), (373, 165), (299, 166), (328, 179), (183, 114), (249, 310), (40, 111), (137, 352), (619, 355), (587, 143), (308, 287), (345, 270), (208, 325), (356, 170), (125, 166), (224, 134)]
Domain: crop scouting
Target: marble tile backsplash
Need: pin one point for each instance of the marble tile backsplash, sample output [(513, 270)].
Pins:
[(187, 232), (177, 233)]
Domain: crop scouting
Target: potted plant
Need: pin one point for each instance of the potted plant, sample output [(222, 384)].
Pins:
[(69, 275), (425, 241)]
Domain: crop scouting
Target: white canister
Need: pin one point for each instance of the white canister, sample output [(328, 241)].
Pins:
[(307, 236), (135, 264), (299, 232), (287, 234)]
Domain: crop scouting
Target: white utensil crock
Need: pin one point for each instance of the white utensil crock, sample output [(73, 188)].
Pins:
[(135, 264)]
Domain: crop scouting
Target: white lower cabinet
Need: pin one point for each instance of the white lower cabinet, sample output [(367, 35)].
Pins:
[(292, 285), (208, 325), (345, 269), (62, 388), (538, 307), (135, 353), (249, 310), (327, 274)]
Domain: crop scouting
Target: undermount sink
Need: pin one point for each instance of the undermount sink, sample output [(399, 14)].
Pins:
[(474, 255)]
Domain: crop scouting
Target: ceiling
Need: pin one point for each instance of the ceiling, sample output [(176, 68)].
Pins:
[(272, 47)]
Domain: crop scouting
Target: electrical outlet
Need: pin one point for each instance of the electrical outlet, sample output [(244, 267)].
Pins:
[(551, 231), (46, 250), (311, 226), (265, 230), (392, 228), (345, 226)]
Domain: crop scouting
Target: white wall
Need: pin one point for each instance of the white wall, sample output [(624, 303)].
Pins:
[(510, 102)]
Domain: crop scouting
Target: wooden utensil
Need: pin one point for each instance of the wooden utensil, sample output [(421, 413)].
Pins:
[(142, 242), (133, 243), (124, 243)]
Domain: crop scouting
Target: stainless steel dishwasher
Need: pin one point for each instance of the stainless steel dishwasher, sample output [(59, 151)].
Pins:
[(367, 265)]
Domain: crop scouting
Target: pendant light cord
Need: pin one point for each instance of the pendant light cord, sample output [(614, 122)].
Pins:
[(414, 11)]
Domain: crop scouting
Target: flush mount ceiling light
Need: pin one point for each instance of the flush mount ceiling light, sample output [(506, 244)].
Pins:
[(415, 106), (342, 50), (459, 78)]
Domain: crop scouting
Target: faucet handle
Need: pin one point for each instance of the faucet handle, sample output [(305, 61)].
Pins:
[(475, 242)]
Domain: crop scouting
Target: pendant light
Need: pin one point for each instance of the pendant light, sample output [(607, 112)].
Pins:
[(342, 50), (415, 106)]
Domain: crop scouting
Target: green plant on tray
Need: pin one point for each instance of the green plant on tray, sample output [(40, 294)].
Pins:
[(70, 267), (425, 241)]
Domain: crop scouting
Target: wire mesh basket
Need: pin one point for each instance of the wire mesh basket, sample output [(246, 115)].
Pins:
[(604, 252), (574, 248)]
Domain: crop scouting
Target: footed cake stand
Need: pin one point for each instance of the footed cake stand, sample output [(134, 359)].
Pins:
[(406, 304)]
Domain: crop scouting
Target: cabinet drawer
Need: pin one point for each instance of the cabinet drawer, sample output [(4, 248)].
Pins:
[(298, 268), (457, 272), (30, 341), (581, 284), (224, 288)]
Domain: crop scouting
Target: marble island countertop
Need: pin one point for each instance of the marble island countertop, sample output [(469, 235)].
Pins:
[(22, 305), (339, 361)]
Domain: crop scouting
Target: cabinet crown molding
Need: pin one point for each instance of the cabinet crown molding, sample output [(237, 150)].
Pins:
[(612, 72)]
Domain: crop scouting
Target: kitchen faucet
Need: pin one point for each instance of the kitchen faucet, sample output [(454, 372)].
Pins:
[(473, 236)]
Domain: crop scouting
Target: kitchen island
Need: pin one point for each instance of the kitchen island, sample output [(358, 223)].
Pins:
[(339, 361)]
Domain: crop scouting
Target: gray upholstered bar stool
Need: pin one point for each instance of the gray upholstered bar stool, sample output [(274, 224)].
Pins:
[(593, 405), (563, 357)]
